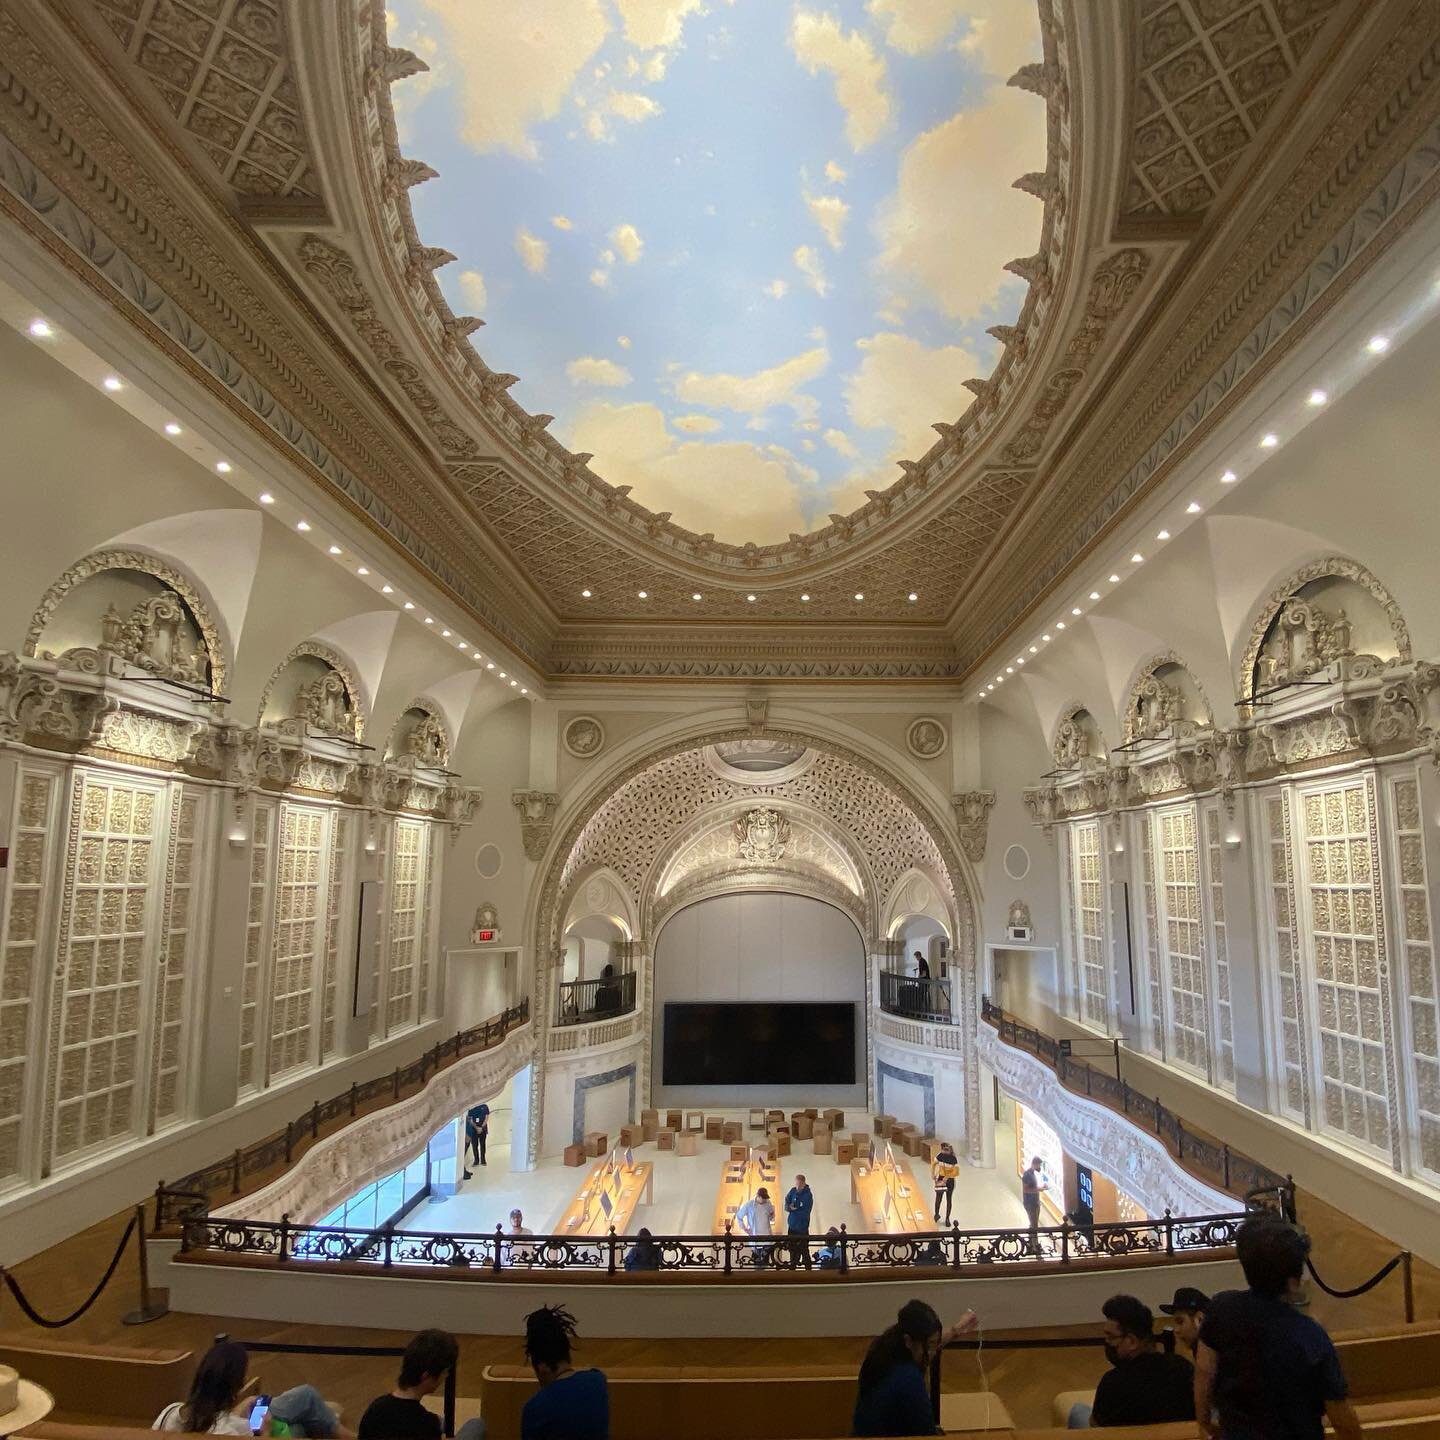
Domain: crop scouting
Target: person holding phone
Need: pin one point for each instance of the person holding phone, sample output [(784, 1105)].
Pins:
[(215, 1407), (1033, 1184)]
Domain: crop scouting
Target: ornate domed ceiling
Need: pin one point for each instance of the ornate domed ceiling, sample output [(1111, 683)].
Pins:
[(746, 253)]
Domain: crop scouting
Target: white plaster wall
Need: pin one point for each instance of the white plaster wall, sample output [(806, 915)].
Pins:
[(600, 1107)]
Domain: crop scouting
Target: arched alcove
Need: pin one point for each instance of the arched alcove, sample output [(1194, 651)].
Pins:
[(315, 686)]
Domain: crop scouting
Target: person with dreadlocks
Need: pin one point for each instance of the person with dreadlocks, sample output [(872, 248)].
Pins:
[(894, 1397), (571, 1404)]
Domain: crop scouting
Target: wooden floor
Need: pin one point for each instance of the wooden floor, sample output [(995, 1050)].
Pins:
[(59, 1279)]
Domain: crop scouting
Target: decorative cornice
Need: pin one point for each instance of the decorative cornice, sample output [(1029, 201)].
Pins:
[(972, 819), (537, 819)]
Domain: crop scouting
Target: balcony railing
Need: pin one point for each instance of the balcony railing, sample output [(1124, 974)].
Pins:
[(582, 1001), (1207, 1159), (917, 999)]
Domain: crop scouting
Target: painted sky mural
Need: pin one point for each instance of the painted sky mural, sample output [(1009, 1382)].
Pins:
[(745, 251)]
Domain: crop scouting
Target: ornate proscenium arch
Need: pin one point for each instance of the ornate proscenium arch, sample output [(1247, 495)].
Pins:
[(634, 815)]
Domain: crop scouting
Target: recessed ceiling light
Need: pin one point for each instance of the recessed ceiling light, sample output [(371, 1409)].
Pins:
[(523, 690), (113, 383), (999, 679), (1019, 659), (990, 686), (409, 604), (750, 599), (171, 428), (1378, 345), (1136, 558), (500, 674), (429, 619), (362, 571), (859, 594), (1059, 624), (387, 589), (1162, 534), (266, 498), (1193, 508), (40, 329), (1316, 397), (585, 594), (444, 634), (489, 664), (1267, 442), (335, 550), (1010, 669), (1044, 638), (463, 644), (302, 524), (1094, 594), (697, 596), (1034, 650), (912, 597), (514, 683), (223, 466), (804, 599), (1114, 579), (1074, 609), (642, 594)]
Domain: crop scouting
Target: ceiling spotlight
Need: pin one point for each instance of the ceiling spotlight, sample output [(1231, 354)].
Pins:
[(335, 550), (1074, 609), (1162, 534), (859, 594), (489, 664), (302, 524), (444, 634), (1019, 659), (990, 686), (266, 498), (1059, 624), (1193, 508), (1136, 558), (1114, 579), (1045, 638), (1034, 650), (523, 690), (1316, 397), (171, 428), (223, 466), (999, 679), (362, 571), (500, 674), (463, 644), (750, 599), (40, 329), (112, 383), (387, 589), (514, 683), (1094, 594), (1267, 442), (429, 619), (697, 596), (1378, 345), (912, 597), (585, 594), (409, 604), (804, 599), (1010, 669), (642, 594)]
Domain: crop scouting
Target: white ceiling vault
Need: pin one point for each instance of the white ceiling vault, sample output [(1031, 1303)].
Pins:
[(1211, 172)]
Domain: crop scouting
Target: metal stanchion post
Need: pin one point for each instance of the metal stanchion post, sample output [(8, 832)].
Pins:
[(150, 1308)]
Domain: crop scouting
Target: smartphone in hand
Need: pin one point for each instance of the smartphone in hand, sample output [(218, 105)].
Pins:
[(259, 1411)]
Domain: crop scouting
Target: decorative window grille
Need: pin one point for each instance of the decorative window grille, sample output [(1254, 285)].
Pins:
[(1290, 1021), (1179, 896), (1220, 949), (334, 914), (300, 895), (408, 904), (96, 1021), (257, 931), (379, 948), (1088, 908), (21, 978), (182, 904), (1422, 1010), (1155, 1030), (1347, 939)]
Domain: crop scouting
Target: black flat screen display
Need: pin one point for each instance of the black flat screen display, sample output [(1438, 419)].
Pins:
[(759, 1044)]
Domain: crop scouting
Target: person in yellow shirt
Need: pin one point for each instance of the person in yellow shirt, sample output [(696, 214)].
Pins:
[(944, 1169)]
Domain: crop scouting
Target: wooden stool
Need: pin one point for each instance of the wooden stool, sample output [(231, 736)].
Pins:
[(818, 1128), (597, 1142), (822, 1142), (883, 1124), (674, 1119), (860, 1140), (844, 1153), (772, 1154), (835, 1119), (774, 1117), (714, 1127), (740, 1152), (813, 1113), (650, 1117), (804, 1127), (632, 1135), (910, 1143), (574, 1154), (929, 1148), (781, 1143), (731, 1131), (686, 1144), (665, 1138), (694, 1122), (757, 1117)]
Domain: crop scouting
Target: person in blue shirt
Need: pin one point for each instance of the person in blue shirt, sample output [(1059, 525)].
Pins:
[(894, 1398), (828, 1255), (799, 1202), (571, 1404), (644, 1254)]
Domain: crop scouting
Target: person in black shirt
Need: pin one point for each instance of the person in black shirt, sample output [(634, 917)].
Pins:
[(428, 1358), (1145, 1385), (1266, 1370), (477, 1132)]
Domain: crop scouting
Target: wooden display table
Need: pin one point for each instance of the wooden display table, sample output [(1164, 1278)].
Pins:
[(890, 1201), (588, 1213), (738, 1182)]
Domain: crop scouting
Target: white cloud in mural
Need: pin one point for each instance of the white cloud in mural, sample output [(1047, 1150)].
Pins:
[(937, 240), (696, 424), (626, 239), (562, 222), (595, 370), (623, 341), (472, 287), (830, 213), (777, 289), (808, 263), (1002, 35), (860, 76), (840, 443), (631, 105), (904, 386), (915, 26), (532, 250), (834, 173), (650, 24), (707, 486), (514, 76), (599, 278), (763, 390)]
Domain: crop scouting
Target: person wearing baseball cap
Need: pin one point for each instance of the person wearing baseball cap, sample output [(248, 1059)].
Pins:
[(1188, 1309)]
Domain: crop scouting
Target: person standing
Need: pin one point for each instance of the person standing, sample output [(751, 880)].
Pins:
[(570, 1404), (945, 1169), (477, 1132), (799, 1204), (757, 1217), (1033, 1184), (1268, 1370), (922, 967)]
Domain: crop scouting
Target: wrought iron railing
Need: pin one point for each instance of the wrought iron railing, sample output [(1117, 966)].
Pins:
[(1207, 1159), (582, 1001), (285, 1243), (193, 1195), (915, 998)]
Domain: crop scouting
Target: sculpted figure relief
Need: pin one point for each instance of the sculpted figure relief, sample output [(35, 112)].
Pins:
[(324, 705), (153, 639), (1303, 641), (1158, 708), (426, 743), (762, 835), (1072, 744)]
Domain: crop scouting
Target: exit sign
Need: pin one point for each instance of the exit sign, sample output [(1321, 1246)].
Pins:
[(482, 936)]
